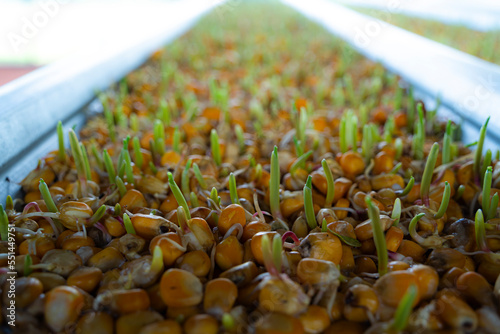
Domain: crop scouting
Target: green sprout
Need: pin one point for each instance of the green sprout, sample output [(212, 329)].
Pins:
[(302, 128), (121, 119), (189, 103), (167, 70), (308, 204), (364, 114), (349, 87), (120, 165), (258, 129), (214, 196), (49, 202), (487, 189), (257, 110), (460, 192), (153, 167), (345, 239), (398, 98), (404, 309), (330, 193), (348, 135), (396, 212), (60, 137), (389, 127), (86, 163), (277, 247), (486, 162), (454, 151), (233, 192), (376, 85), (179, 197), (378, 236), (480, 230), (118, 209), (157, 263), (185, 179), (159, 137), (375, 135), (127, 163), (121, 172), (219, 96), (272, 254), (134, 122), (474, 143), (430, 117), (268, 255), (437, 106), (300, 162), (479, 151), (228, 322), (108, 115), (4, 224), (367, 142), (298, 147), (444, 202), (274, 185), (9, 203), (97, 156), (492, 212), (199, 176), (129, 227), (408, 187), (425, 184), (47, 197), (77, 155), (164, 112), (258, 172), (398, 143), (410, 108), (108, 163), (154, 153), (338, 95), (240, 137), (448, 137), (176, 140), (343, 135), (352, 127), (194, 200), (294, 115), (138, 159), (214, 141), (412, 228), (28, 262), (98, 215), (212, 85), (396, 168), (324, 226), (121, 186), (123, 89), (418, 139)]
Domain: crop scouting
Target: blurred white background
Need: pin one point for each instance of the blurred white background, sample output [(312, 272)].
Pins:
[(35, 33), (482, 15)]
